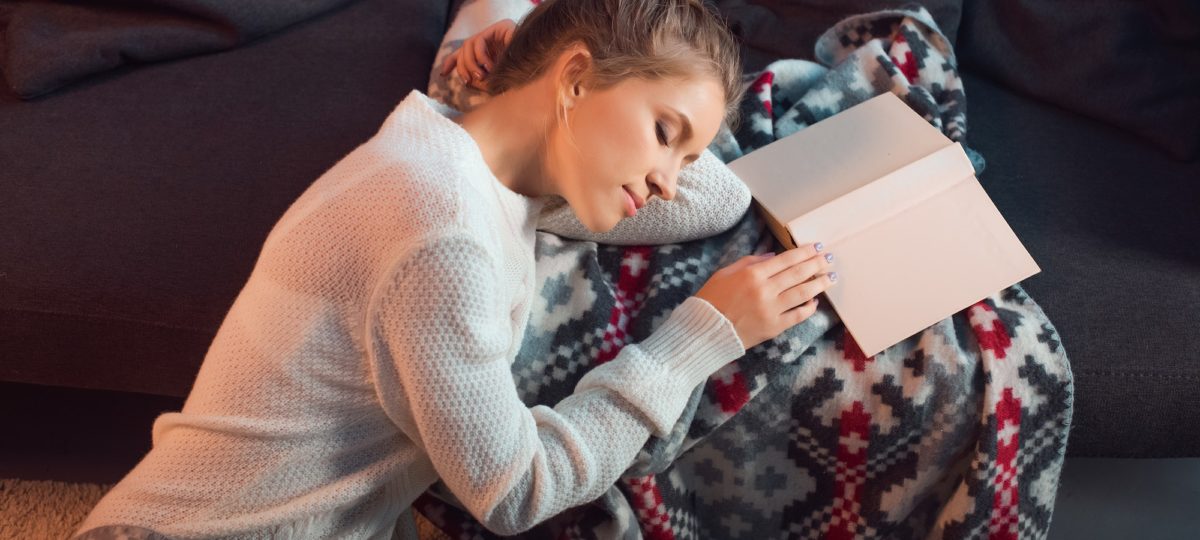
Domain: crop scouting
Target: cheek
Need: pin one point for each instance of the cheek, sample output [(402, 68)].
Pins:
[(613, 148)]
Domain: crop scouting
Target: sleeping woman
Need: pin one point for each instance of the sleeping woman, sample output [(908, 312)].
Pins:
[(368, 355)]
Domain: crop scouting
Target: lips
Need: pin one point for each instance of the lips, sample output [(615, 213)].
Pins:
[(638, 203)]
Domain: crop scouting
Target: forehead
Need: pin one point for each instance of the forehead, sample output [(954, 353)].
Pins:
[(693, 91), (701, 99)]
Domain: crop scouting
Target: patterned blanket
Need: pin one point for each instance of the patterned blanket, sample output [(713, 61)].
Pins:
[(956, 432)]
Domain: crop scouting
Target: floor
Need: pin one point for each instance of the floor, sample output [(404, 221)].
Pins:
[(93, 436), (75, 435), (1150, 499)]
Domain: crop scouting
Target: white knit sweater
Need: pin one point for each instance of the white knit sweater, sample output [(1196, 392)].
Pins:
[(369, 355)]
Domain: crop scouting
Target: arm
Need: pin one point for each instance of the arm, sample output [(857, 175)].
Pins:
[(710, 200), (440, 332)]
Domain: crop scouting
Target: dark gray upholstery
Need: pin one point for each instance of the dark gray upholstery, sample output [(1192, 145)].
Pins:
[(1135, 65), (134, 203), (49, 44), (133, 206)]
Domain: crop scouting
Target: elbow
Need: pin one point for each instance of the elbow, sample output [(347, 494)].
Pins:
[(505, 523), (530, 501), (739, 199), (511, 514), (736, 202)]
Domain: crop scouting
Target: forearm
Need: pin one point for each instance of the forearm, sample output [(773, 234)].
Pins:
[(709, 200), (439, 362), (580, 447)]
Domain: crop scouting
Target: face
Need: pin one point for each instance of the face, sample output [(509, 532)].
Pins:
[(630, 141)]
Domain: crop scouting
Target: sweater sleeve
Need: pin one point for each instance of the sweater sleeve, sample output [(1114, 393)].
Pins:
[(439, 333), (710, 199)]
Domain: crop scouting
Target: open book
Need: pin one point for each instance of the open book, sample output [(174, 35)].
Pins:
[(914, 236)]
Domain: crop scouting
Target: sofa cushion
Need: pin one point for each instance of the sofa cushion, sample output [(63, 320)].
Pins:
[(1135, 65), (48, 45), (133, 206)]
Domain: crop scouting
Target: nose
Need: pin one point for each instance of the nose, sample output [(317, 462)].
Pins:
[(662, 185)]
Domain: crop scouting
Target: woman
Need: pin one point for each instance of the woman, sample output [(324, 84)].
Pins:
[(368, 354)]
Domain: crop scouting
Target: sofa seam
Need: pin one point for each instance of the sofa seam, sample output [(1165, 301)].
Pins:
[(104, 317), (1151, 374)]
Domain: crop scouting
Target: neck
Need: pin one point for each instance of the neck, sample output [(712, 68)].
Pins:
[(512, 135)]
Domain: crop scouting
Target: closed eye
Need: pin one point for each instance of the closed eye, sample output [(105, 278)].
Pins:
[(662, 135)]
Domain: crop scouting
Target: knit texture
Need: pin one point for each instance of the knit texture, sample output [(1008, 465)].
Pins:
[(369, 354)]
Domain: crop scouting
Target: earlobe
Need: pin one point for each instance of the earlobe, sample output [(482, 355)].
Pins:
[(569, 100)]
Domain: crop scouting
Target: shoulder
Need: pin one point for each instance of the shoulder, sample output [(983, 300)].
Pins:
[(416, 172), (407, 182), (435, 162), (420, 130)]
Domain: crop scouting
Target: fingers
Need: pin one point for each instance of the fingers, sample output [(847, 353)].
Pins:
[(788, 258), (482, 57), (469, 67), (448, 63), (461, 67), (804, 292), (800, 272), (799, 314), (476, 57)]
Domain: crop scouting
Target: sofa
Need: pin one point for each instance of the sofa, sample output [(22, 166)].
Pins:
[(134, 200)]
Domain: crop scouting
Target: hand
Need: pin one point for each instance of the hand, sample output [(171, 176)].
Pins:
[(478, 53), (762, 297)]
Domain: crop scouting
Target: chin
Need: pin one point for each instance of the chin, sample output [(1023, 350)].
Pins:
[(600, 228), (597, 224)]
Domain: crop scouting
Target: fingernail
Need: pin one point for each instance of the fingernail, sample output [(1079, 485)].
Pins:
[(828, 257), (767, 255), (833, 276), (478, 76), (819, 246)]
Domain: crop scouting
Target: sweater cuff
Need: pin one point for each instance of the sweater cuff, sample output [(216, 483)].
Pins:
[(700, 341), (658, 374)]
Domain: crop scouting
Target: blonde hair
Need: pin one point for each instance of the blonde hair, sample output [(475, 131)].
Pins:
[(626, 38)]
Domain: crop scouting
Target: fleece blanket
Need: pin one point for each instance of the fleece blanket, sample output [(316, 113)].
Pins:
[(959, 431)]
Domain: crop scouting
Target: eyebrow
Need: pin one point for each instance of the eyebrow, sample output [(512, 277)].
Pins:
[(687, 129)]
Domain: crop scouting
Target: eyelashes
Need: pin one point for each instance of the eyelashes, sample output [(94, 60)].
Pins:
[(662, 135)]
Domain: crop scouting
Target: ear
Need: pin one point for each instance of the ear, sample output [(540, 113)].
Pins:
[(574, 64)]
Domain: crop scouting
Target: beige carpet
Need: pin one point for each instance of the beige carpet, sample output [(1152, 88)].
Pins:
[(48, 510), (45, 510)]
